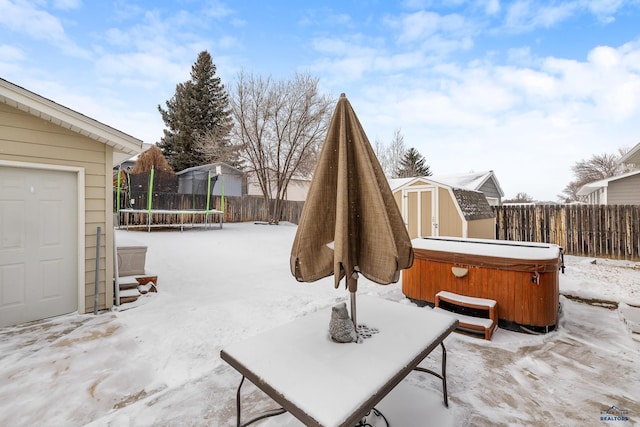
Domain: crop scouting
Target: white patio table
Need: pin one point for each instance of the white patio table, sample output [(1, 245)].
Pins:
[(324, 383)]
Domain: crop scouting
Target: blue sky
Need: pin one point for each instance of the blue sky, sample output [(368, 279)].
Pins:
[(523, 88)]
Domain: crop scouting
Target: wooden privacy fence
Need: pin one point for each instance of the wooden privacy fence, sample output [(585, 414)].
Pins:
[(236, 209), (606, 231)]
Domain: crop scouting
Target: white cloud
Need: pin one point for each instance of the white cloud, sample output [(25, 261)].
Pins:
[(609, 81), (217, 10), (11, 54), (422, 24), (157, 49), (229, 42), (480, 92), (66, 4), (526, 15), (631, 55), (418, 25), (534, 117), (11, 59), (326, 18), (38, 24), (492, 7), (400, 61), (144, 69), (415, 4), (604, 9), (331, 45), (529, 82), (339, 19)]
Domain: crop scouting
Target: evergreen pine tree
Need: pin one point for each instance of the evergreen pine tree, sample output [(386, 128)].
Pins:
[(198, 119), (412, 164)]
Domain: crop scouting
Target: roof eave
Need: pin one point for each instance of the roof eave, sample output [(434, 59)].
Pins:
[(32, 103), (635, 151)]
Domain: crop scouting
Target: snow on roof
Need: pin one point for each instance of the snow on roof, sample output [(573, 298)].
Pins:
[(396, 183), (471, 180)]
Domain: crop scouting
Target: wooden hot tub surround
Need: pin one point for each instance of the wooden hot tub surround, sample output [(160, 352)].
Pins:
[(521, 277)]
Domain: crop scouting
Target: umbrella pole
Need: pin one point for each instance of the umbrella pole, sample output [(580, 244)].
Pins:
[(353, 310), (352, 285)]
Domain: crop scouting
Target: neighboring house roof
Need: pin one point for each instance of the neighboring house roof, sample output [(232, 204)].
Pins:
[(632, 157), (472, 203), (597, 185), (212, 166), (471, 180), (124, 145)]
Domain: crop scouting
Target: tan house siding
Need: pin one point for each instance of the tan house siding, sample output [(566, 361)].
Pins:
[(624, 191), (450, 223), (26, 138)]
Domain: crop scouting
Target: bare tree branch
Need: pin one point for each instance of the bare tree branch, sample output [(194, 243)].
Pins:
[(281, 125)]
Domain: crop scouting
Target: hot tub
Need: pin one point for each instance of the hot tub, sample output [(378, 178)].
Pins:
[(522, 277)]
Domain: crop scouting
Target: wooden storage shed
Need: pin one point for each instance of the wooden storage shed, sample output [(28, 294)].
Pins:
[(55, 191), (432, 208)]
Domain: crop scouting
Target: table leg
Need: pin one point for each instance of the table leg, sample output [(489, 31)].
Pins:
[(265, 414), (442, 376)]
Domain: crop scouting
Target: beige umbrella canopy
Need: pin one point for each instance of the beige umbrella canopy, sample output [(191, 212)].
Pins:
[(350, 223)]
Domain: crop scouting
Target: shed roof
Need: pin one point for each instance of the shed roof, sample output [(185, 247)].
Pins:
[(596, 185), (124, 145), (473, 204)]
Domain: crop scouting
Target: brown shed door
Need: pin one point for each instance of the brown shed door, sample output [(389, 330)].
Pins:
[(38, 244)]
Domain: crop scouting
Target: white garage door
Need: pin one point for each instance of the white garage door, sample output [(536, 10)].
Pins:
[(38, 244)]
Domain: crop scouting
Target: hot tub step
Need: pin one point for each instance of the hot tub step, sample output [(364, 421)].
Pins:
[(488, 325), (470, 322)]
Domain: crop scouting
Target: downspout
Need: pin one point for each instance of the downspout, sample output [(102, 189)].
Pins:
[(116, 272), (97, 277)]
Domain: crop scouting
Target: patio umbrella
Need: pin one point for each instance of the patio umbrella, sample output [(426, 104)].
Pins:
[(350, 223)]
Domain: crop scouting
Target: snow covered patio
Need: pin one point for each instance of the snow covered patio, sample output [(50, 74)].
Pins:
[(156, 361)]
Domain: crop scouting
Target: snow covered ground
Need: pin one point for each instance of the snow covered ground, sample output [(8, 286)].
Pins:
[(156, 361)]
